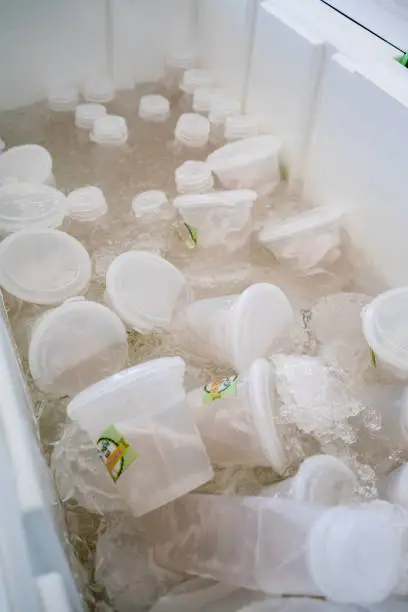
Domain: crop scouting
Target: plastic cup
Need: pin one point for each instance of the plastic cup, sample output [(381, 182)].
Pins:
[(280, 546), (63, 97), (307, 241), (394, 486), (87, 114), (99, 90), (87, 204), (322, 480), (75, 345), (238, 329), (26, 164), (192, 130), (26, 205), (251, 163), (236, 417), (158, 454), (109, 130), (241, 126), (194, 177), (44, 266), (154, 108), (145, 290)]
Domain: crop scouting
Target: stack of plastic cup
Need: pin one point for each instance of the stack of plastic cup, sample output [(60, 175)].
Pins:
[(76, 345), (154, 108), (280, 546), (87, 114), (63, 97), (194, 177), (144, 434), (99, 90), (87, 204), (221, 108), (192, 130), (204, 97), (26, 164), (25, 205), (194, 79), (110, 130), (241, 126), (44, 266)]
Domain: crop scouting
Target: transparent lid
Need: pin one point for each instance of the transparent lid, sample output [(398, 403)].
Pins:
[(27, 164), (109, 129), (244, 151), (87, 114), (99, 89), (87, 203), (43, 266), (24, 205), (324, 480), (317, 218)]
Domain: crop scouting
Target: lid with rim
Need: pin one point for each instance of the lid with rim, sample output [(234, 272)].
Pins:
[(28, 163), (25, 205), (324, 480), (44, 266), (196, 77), (63, 97), (87, 203), (99, 89), (86, 114), (317, 218), (154, 106), (262, 395), (244, 151)]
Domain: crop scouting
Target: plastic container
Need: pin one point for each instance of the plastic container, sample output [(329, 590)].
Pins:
[(280, 546), (394, 486), (63, 97), (99, 90), (87, 204), (306, 242), (221, 218), (150, 206), (385, 328), (26, 164), (252, 163), (221, 108), (204, 97), (194, 177), (238, 127), (26, 205), (145, 290), (154, 108), (323, 480), (44, 266), (75, 345), (87, 114), (110, 130), (192, 130), (157, 454), (236, 417), (238, 329)]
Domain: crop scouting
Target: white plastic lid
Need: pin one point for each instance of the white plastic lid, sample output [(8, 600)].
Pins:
[(204, 97), (196, 77), (87, 114), (194, 177), (87, 203), (63, 97), (260, 315), (109, 130), (154, 108), (27, 164), (222, 107), (24, 205), (241, 126), (317, 218), (262, 395), (230, 199), (243, 152), (99, 89), (154, 202), (324, 480), (183, 57), (79, 334), (145, 290), (43, 266), (192, 130)]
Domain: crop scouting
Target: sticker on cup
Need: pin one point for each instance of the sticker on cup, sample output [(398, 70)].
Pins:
[(220, 389), (116, 454)]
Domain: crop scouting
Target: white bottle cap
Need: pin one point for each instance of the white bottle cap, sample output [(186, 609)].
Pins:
[(154, 108), (222, 107), (87, 204), (87, 114), (194, 78), (99, 90), (204, 97), (192, 130), (109, 130)]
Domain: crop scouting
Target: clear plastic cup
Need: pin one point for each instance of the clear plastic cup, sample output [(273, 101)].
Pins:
[(26, 205), (394, 486), (192, 131), (221, 108), (322, 480), (307, 242), (26, 164), (251, 163), (194, 177), (280, 546), (87, 114), (44, 266), (236, 417), (204, 97), (236, 330), (109, 130), (87, 204), (75, 345), (145, 290), (157, 455), (99, 89), (154, 108), (238, 127), (63, 97)]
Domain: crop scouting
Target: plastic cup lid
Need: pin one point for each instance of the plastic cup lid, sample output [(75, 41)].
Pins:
[(99, 89), (87, 114), (318, 218), (24, 205), (71, 335), (87, 203), (154, 106), (145, 290), (244, 151), (43, 266), (262, 395), (259, 316), (149, 202), (27, 164), (354, 555), (324, 480)]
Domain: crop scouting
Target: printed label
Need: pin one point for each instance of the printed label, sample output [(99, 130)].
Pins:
[(226, 387), (116, 454), (373, 358)]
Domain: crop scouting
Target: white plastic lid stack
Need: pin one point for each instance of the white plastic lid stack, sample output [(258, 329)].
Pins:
[(87, 204), (75, 345), (251, 163), (385, 328), (63, 97), (322, 480), (153, 205), (154, 108), (145, 290), (99, 90), (194, 177), (394, 486), (194, 78), (109, 130), (25, 205), (87, 114), (204, 97), (238, 329), (241, 126), (192, 130), (26, 164), (223, 107), (43, 266), (183, 57)]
